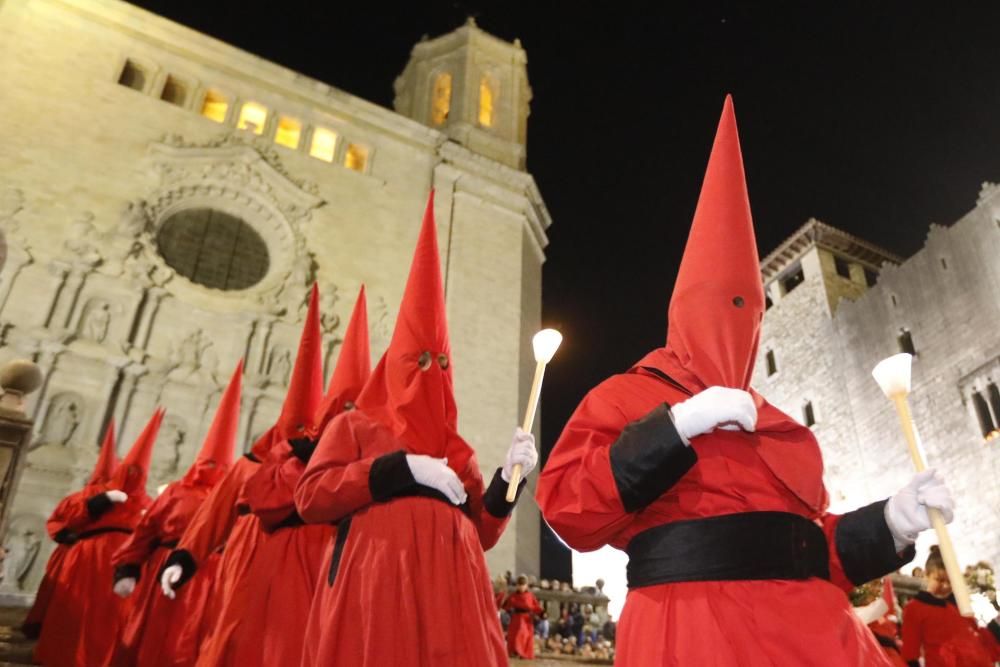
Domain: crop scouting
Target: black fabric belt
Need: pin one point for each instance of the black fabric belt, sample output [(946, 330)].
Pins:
[(750, 545), (887, 642), (100, 531), (421, 491), (520, 611), (165, 544), (293, 520), (242, 510)]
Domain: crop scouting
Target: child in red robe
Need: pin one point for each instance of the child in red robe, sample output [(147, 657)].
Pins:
[(156, 624), (523, 606), (412, 512), (82, 615), (933, 626)]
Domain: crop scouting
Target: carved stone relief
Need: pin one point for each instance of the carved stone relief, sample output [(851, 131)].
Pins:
[(24, 542), (62, 420), (95, 321), (192, 355), (174, 435)]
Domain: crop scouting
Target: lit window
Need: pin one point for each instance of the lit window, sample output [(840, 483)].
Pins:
[(174, 92), (772, 364), (905, 341), (792, 280), (356, 157), (132, 76), (252, 117), (288, 133), (324, 144), (441, 98), (808, 416), (215, 107), (487, 100)]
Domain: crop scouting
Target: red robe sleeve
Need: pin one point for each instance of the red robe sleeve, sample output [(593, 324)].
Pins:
[(335, 483), (130, 556), (576, 489), (270, 491), (488, 506), (70, 515), (214, 519)]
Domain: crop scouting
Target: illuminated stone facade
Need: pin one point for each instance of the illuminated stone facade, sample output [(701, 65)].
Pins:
[(131, 142), (826, 333)]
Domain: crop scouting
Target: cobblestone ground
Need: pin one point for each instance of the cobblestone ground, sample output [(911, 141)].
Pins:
[(16, 650)]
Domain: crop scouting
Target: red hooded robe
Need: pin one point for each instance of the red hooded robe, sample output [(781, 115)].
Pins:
[(156, 632), (934, 627), (83, 615), (620, 469), (523, 608), (406, 583), (286, 568)]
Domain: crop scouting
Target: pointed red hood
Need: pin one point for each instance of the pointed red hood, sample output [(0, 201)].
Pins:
[(410, 390), (217, 450), (305, 387), (354, 366), (715, 316), (131, 474), (718, 299), (107, 460)]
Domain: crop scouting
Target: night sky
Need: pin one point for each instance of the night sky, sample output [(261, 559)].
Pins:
[(874, 117)]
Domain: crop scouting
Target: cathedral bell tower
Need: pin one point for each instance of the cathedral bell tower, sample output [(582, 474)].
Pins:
[(472, 86)]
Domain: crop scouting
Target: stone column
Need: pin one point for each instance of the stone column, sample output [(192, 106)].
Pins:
[(17, 379)]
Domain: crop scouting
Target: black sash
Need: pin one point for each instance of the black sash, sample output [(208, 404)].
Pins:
[(750, 545), (101, 531)]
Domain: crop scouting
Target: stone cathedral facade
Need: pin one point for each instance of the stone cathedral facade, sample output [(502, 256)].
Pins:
[(838, 305), (168, 200)]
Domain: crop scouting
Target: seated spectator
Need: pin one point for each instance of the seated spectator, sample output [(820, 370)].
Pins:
[(542, 626)]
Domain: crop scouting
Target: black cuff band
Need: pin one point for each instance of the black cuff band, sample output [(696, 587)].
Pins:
[(128, 570), (495, 498), (913, 663), (865, 545), (994, 629), (250, 456), (66, 536), (98, 505), (648, 458), (303, 448), (185, 560), (390, 476)]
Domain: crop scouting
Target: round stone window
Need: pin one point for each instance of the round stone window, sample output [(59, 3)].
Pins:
[(213, 249)]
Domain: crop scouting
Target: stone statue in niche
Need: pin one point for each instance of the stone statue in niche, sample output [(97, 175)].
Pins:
[(279, 366), (62, 420), (167, 451), (96, 320), (82, 238), (22, 547), (194, 353), (328, 299)]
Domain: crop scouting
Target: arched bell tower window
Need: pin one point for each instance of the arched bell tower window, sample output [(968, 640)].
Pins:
[(441, 98), (213, 248), (488, 93)]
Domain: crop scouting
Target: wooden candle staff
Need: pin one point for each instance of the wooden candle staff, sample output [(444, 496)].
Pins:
[(545, 343), (893, 376)]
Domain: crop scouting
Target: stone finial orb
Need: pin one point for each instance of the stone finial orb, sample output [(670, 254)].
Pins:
[(20, 375)]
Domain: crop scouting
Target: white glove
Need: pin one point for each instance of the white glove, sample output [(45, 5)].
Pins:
[(522, 450), (716, 407), (906, 512), (124, 587), (872, 612), (436, 474), (116, 496), (171, 576)]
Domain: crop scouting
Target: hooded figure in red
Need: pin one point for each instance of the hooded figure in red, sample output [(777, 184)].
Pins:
[(716, 495), (285, 571), (225, 519), (156, 623), (406, 582), (81, 617)]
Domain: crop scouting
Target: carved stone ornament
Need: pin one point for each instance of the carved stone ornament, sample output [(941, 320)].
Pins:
[(240, 177)]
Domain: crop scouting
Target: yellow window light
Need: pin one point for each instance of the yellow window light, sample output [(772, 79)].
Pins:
[(324, 144), (487, 93), (252, 117), (441, 100), (356, 157), (215, 106), (289, 132)]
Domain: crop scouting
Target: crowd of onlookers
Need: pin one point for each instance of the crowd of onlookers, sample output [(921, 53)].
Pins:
[(566, 626)]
